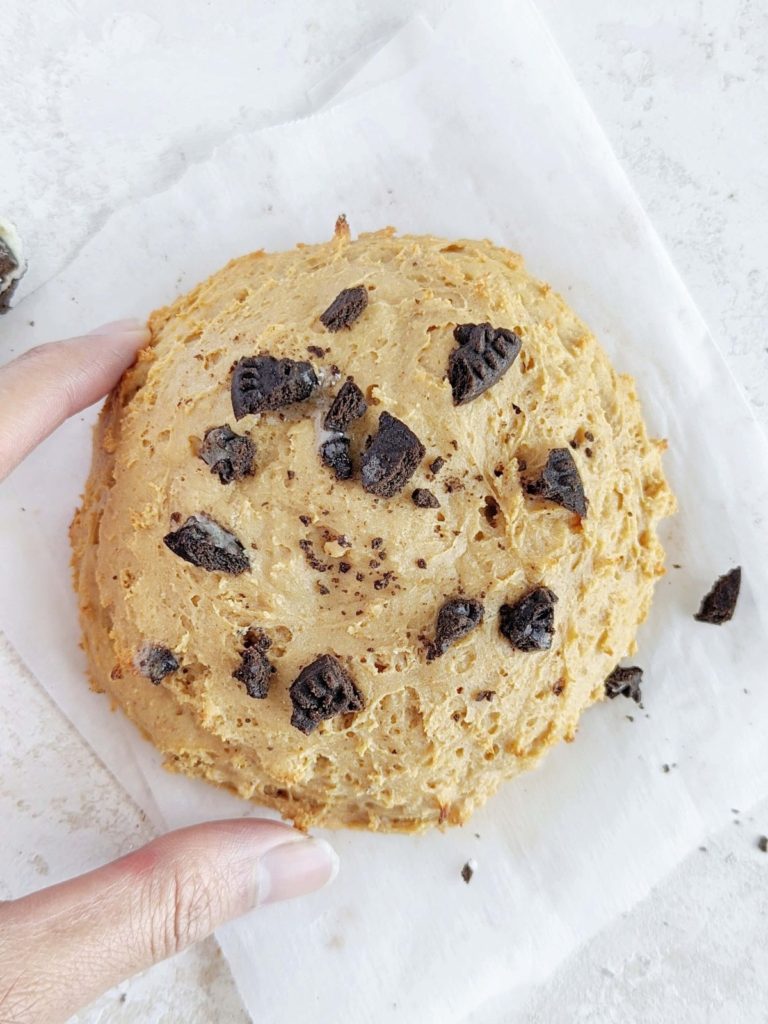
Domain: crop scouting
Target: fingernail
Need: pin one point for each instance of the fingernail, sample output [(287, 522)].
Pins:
[(130, 325), (296, 868)]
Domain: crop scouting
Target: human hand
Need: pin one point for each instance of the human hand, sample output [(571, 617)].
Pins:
[(61, 947)]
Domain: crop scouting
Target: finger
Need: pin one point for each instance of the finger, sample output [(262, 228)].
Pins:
[(63, 946), (41, 388)]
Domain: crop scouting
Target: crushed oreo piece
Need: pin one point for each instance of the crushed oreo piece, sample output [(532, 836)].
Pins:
[(229, 454), (263, 383), (719, 604), (156, 662), (468, 870), (457, 617), (422, 497), (12, 263), (315, 350), (762, 844), (345, 308), (392, 459), (529, 624), (349, 404), (335, 455), (322, 690), (436, 465), (208, 545), (625, 682), (485, 695), (483, 356), (255, 667), (308, 548), (560, 482)]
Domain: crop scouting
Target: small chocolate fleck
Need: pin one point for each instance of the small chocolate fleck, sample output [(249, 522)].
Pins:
[(421, 563), (256, 638), (529, 624), (383, 582), (625, 682), (491, 510), (468, 871), (558, 686), (483, 356), (344, 566), (457, 617), (452, 484), (436, 465), (315, 350), (204, 542), (335, 454), (719, 604), (516, 409), (498, 470), (347, 307), (309, 553), (485, 695), (306, 520), (349, 404), (229, 454), (392, 458), (359, 577), (263, 383), (588, 435), (156, 662), (322, 588), (377, 542), (374, 563), (422, 497), (290, 474), (255, 668), (560, 482), (321, 691), (175, 517), (588, 452), (762, 844)]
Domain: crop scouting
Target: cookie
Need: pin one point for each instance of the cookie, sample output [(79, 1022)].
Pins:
[(343, 549)]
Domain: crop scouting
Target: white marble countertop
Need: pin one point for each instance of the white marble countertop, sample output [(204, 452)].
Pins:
[(679, 86)]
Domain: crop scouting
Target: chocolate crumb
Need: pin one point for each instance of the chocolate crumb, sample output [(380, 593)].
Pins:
[(558, 686), (762, 844), (374, 563), (349, 404), (263, 383), (625, 682), (255, 668), (421, 563), (574, 444), (665, 768), (205, 543), (485, 695), (344, 566), (155, 662), (175, 517), (335, 454), (588, 435), (422, 497), (290, 474), (305, 520), (517, 409), (491, 510), (436, 465), (468, 871), (309, 553), (345, 309), (322, 588), (453, 483), (588, 452), (377, 542), (229, 454), (498, 470), (315, 350), (457, 617), (392, 458), (529, 624), (359, 576), (719, 604), (383, 582), (560, 482), (483, 356), (321, 691)]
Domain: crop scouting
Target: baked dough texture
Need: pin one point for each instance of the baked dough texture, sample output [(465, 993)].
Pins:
[(435, 737)]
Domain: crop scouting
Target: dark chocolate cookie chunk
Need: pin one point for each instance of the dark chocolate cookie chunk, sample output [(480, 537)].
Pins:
[(349, 404), (392, 457), (345, 308), (207, 544), (529, 624), (335, 455), (457, 617), (483, 356), (156, 662), (229, 454), (255, 669), (625, 682), (560, 482), (422, 497), (719, 604), (323, 690), (263, 383), (12, 264)]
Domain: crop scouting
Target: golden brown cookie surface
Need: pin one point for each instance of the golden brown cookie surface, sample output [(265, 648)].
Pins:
[(287, 558)]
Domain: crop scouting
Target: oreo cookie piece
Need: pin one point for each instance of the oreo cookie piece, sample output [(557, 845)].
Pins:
[(229, 454), (255, 668), (392, 457), (335, 455), (625, 682), (422, 497), (347, 307), (457, 617), (560, 482), (263, 383), (719, 604), (349, 404), (207, 544), (12, 263), (322, 690), (529, 624), (483, 356), (156, 662)]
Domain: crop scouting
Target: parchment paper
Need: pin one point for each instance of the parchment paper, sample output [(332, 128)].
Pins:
[(487, 136)]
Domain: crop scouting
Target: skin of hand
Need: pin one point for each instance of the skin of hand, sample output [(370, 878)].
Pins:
[(63, 946)]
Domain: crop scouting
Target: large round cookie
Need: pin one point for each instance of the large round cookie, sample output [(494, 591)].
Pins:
[(274, 629)]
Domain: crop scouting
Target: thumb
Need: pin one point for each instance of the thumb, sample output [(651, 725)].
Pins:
[(63, 946)]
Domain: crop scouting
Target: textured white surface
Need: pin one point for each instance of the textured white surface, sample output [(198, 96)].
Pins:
[(677, 86)]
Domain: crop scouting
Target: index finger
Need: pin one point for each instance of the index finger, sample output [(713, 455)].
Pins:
[(49, 383)]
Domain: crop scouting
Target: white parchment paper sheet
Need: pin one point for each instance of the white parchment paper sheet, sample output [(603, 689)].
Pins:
[(487, 136)]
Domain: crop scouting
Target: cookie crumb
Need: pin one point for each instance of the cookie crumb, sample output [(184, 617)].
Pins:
[(719, 604), (422, 497), (762, 844), (468, 870), (346, 308), (436, 465), (625, 681)]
